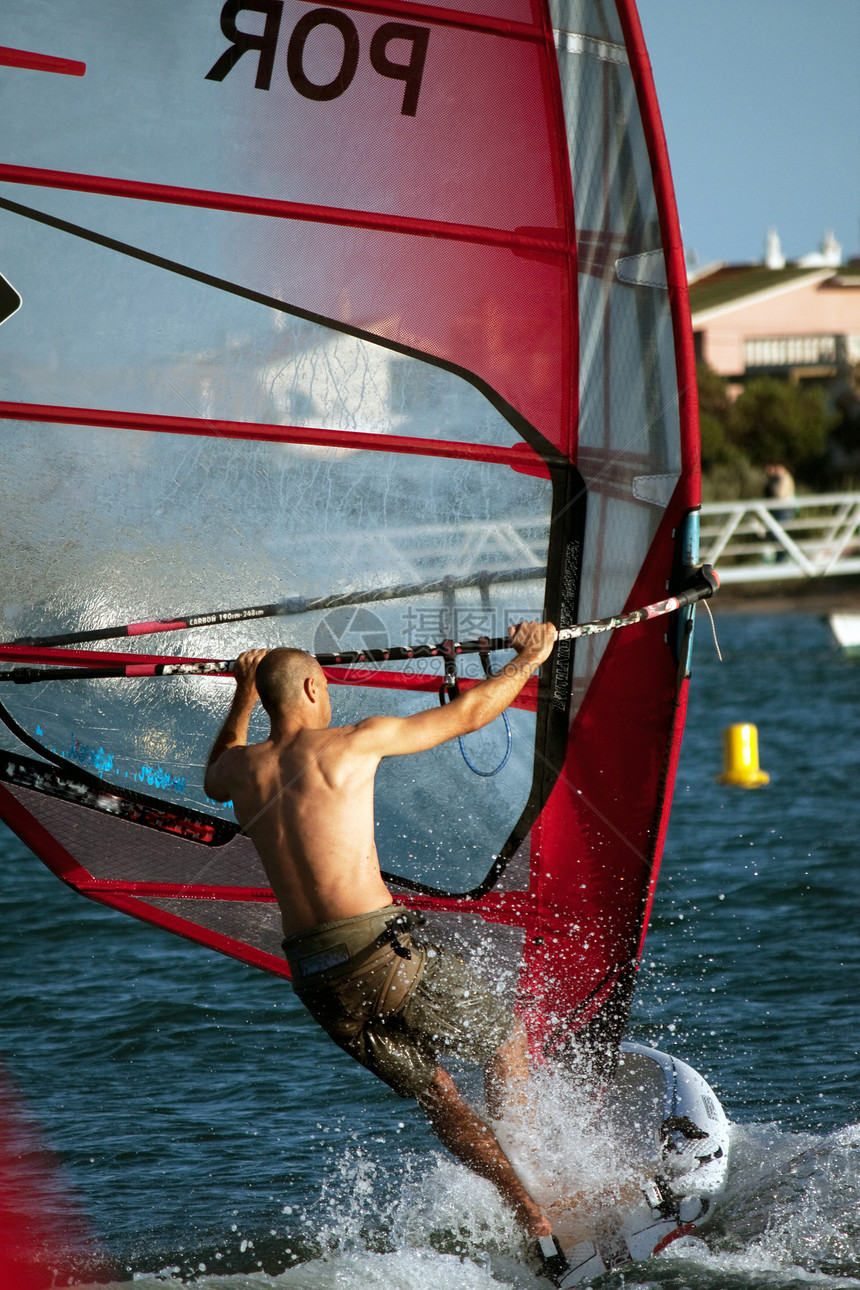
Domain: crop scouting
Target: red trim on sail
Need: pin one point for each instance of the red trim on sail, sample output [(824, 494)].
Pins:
[(688, 494), (542, 241), (518, 909), (38, 839), (175, 890), (58, 859), (518, 456), (193, 932), (512, 908), (40, 62), (443, 17)]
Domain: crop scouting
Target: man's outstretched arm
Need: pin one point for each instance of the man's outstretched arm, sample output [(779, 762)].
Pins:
[(474, 708), (234, 732)]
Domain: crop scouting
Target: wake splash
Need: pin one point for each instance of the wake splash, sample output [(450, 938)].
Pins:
[(793, 1205), (790, 1219)]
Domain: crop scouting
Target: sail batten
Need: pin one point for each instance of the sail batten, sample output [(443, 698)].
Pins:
[(519, 458), (544, 241), (32, 61), (480, 22)]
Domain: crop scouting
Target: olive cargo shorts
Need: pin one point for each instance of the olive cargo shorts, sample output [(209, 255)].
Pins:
[(393, 1014)]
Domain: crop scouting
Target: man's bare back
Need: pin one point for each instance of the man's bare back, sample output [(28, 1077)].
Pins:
[(306, 802), (305, 795)]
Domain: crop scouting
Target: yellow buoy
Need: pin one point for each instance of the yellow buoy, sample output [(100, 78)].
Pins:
[(740, 758)]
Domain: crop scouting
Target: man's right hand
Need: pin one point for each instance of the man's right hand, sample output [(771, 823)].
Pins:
[(245, 667), (534, 641), (474, 708)]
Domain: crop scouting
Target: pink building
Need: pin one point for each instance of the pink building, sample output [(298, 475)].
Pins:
[(798, 321)]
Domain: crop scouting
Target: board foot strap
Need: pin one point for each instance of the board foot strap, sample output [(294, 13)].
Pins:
[(554, 1263)]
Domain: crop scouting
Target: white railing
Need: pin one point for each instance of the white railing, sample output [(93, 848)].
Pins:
[(434, 550), (789, 351), (765, 539), (760, 540)]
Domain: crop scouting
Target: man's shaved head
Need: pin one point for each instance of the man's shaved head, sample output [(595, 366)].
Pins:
[(281, 677)]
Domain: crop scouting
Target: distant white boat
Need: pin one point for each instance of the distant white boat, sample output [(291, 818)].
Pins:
[(846, 629)]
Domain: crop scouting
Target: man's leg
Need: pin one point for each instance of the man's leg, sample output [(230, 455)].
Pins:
[(506, 1074), (468, 1138)]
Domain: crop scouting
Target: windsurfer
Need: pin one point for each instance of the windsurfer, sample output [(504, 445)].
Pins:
[(305, 798)]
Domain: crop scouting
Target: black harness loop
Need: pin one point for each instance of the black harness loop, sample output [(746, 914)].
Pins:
[(484, 654), (450, 687), (391, 935)]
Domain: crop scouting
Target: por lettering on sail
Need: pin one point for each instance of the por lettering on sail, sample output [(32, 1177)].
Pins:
[(311, 25)]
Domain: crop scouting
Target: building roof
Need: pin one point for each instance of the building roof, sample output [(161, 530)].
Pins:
[(732, 282), (793, 319)]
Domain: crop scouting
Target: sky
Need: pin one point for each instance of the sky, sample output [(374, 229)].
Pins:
[(761, 106)]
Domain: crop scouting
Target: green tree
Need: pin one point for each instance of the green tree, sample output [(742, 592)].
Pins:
[(713, 392), (714, 406), (772, 421)]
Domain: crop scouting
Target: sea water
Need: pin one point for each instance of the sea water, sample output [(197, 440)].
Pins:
[(213, 1135)]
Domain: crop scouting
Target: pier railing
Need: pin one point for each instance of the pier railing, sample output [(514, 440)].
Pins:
[(756, 540), (766, 539)]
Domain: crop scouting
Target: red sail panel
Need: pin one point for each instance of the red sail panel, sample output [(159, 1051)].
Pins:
[(47, 1239), (472, 157), (599, 840)]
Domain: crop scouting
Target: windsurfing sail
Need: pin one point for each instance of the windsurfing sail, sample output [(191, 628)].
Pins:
[(320, 302), (47, 1239)]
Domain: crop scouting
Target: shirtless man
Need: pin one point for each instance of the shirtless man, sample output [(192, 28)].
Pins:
[(305, 798)]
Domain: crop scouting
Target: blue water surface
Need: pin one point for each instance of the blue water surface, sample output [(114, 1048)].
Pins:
[(212, 1133)]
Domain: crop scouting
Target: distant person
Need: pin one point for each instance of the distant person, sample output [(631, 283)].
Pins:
[(305, 798), (780, 485)]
